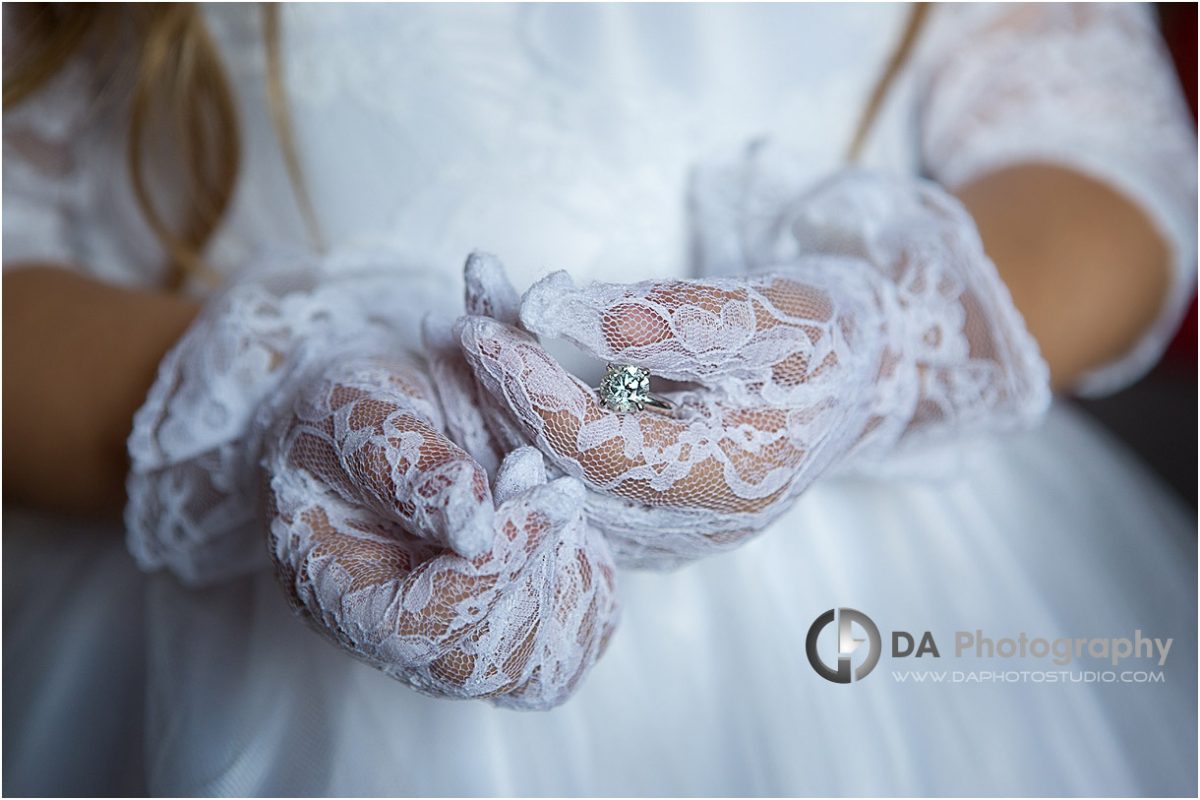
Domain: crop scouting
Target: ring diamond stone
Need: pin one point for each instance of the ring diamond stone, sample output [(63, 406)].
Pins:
[(627, 388)]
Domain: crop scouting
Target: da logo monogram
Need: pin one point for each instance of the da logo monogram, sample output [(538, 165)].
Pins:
[(847, 644)]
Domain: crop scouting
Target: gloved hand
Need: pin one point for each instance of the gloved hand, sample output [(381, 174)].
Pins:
[(193, 483), (384, 532), (193, 486), (876, 322), (363, 485)]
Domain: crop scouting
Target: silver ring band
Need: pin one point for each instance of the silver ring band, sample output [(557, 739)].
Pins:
[(659, 403)]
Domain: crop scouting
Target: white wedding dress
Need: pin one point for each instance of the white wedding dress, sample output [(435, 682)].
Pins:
[(563, 137)]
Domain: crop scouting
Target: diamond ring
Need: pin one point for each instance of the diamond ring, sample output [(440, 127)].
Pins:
[(627, 388)]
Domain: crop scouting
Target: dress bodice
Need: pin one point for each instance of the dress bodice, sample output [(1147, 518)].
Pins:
[(557, 136), (566, 136)]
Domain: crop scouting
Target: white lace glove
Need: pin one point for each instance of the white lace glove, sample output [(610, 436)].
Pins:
[(193, 502), (384, 532), (352, 457), (873, 321)]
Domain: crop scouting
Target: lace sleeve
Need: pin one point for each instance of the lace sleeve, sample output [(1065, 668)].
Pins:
[(1086, 86)]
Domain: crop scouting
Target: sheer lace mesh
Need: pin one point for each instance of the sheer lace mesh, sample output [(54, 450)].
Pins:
[(301, 395), (865, 320), (721, 466), (358, 475), (871, 321), (958, 357), (194, 447), (1088, 86), (374, 438)]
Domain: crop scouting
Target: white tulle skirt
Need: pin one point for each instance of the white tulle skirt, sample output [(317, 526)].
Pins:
[(115, 682)]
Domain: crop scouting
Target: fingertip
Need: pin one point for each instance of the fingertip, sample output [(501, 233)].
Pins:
[(480, 262), (465, 330), (473, 331), (470, 530), (571, 488), (560, 501), (475, 325), (489, 292), (521, 470), (467, 509), (542, 305)]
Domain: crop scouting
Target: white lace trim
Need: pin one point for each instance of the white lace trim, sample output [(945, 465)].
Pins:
[(1090, 87), (192, 486)]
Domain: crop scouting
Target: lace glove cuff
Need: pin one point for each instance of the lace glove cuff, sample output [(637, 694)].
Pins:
[(958, 358), (192, 486)]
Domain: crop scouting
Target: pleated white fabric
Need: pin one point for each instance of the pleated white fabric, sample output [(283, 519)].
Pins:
[(705, 689)]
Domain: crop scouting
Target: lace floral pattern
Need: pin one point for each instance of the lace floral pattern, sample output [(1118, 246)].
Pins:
[(359, 474), (193, 449), (959, 344), (674, 488), (302, 396), (876, 321), (1086, 86), (864, 318)]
